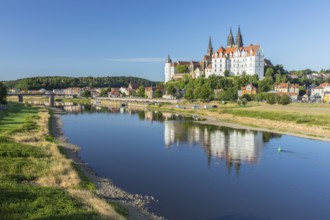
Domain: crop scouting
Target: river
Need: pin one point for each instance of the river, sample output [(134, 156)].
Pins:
[(204, 172)]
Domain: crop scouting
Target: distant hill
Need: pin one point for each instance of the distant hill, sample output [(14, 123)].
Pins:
[(61, 82)]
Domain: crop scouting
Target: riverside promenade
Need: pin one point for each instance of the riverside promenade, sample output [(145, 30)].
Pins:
[(138, 100)]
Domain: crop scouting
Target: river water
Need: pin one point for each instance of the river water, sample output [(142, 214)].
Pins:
[(204, 172)]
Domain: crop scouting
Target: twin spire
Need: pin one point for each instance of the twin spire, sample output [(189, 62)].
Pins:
[(239, 39)]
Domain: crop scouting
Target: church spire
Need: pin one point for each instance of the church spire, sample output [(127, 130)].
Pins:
[(210, 48), (239, 38), (230, 39), (168, 59)]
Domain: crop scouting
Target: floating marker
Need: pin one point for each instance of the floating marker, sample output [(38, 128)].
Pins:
[(279, 149)]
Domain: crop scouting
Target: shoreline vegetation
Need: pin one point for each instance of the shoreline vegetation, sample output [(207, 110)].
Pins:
[(297, 119), (43, 177)]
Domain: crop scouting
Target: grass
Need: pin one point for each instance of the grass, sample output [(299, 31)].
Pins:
[(36, 180), (319, 120), (17, 118), (119, 208), (25, 201)]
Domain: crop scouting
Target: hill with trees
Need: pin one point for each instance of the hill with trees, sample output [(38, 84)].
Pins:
[(61, 82)]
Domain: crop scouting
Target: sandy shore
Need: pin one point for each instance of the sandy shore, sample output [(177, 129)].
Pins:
[(212, 121), (136, 204)]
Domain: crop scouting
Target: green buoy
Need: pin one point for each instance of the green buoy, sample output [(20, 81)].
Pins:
[(279, 149)]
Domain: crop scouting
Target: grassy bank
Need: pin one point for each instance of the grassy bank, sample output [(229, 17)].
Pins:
[(302, 119), (36, 180)]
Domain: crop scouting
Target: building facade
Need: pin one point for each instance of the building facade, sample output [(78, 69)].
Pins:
[(236, 59)]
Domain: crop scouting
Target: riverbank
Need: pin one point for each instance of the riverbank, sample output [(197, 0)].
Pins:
[(36, 180), (302, 120), (135, 204)]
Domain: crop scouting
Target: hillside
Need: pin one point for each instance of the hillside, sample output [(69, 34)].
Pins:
[(60, 82)]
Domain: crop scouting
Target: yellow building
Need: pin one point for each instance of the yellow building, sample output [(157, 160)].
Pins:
[(249, 89), (326, 97)]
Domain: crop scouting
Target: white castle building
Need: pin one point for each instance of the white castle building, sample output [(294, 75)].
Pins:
[(236, 58)]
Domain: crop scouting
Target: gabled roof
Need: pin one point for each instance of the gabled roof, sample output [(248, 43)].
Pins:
[(251, 50)]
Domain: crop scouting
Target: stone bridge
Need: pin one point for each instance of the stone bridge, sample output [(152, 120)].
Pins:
[(51, 97)]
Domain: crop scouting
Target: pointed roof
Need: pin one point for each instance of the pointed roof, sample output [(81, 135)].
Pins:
[(168, 59), (230, 39), (239, 38), (210, 43)]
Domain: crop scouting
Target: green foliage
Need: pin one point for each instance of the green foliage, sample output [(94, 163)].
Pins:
[(189, 95), (104, 92), (17, 118), (171, 89), (271, 98), (22, 163), (247, 97), (182, 68), (3, 94), (120, 209), (86, 94), (226, 73), (284, 100), (141, 91), (25, 201), (158, 93), (60, 82)]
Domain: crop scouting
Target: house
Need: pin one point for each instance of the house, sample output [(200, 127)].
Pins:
[(124, 90), (249, 89), (150, 92), (132, 88), (114, 93), (58, 91), (291, 90), (305, 98), (326, 97), (74, 91)]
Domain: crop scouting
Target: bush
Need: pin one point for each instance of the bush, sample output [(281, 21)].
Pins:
[(271, 98), (285, 99), (247, 97)]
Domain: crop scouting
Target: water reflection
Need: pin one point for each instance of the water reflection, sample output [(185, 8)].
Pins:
[(233, 146)]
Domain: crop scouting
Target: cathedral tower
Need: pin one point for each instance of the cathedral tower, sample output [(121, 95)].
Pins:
[(239, 38), (210, 48), (230, 39)]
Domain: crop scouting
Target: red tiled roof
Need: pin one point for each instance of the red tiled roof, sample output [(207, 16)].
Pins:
[(222, 52)]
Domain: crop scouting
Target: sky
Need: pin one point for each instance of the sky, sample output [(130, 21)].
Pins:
[(134, 37)]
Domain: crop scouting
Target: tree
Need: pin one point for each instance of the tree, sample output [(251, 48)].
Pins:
[(226, 73), (3, 94), (206, 93), (271, 98), (247, 97), (141, 91), (189, 94), (158, 93), (171, 90), (182, 68), (285, 99), (104, 92), (86, 94)]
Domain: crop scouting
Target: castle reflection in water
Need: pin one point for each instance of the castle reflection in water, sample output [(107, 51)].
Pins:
[(234, 146), (221, 143)]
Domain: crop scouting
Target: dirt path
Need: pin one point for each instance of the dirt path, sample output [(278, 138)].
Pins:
[(136, 204)]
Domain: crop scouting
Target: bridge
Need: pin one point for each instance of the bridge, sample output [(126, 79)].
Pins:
[(51, 96)]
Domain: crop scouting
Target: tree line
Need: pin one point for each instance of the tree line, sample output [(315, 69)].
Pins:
[(226, 88), (61, 82)]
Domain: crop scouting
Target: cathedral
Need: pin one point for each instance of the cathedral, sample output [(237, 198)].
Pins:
[(236, 59)]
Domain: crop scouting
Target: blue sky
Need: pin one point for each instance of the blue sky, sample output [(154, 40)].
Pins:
[(133, 37)]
